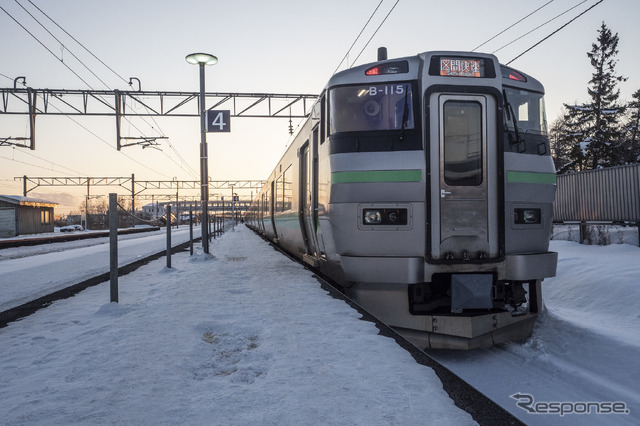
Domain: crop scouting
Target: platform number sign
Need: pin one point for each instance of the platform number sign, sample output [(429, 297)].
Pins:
[(218, 120)]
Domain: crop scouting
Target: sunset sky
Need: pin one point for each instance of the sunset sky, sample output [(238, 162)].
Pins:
[(263, 46)]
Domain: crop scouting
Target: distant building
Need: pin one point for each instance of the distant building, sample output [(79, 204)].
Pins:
[(24, 215)]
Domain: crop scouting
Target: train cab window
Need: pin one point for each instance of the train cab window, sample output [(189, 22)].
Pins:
[(528, 109), (525, 122), (462, 143), (384, 106)]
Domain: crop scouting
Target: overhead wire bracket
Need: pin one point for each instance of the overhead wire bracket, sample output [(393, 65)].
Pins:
[(145, 142)]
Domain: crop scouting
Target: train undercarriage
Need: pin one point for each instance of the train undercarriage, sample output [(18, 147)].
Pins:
[(431, 317)]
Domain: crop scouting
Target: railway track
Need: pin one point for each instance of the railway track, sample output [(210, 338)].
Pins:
[(19, 242)]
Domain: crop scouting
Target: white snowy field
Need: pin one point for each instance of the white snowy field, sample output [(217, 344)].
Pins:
[(52, 267), (241, 337), (585, 346)]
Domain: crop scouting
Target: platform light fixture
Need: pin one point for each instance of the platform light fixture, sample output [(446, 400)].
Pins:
[(202, 59)]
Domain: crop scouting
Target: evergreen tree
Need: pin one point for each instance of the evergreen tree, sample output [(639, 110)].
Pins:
[(593, 129), (565, 136), (631, 146)]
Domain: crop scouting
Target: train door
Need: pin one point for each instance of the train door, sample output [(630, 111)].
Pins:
[(464, 186), (272, 209), (262, 209), (308, 202), (315, 223)]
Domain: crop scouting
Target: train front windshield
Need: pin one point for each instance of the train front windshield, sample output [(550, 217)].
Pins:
[(528, 109), (371, 107)]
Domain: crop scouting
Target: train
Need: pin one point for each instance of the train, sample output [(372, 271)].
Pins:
[(424, 187)]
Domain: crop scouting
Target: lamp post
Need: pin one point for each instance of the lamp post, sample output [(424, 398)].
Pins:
[(202, 59), (233, 211)]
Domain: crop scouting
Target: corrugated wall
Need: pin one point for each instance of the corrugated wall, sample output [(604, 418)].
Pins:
[(30, 220), (611, 194)]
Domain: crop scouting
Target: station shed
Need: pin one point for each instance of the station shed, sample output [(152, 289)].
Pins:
[(24, 215)]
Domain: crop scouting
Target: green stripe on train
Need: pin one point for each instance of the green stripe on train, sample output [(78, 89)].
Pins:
[(531, 177), (370, 176)]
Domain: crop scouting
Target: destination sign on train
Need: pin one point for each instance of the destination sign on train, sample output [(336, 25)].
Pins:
[(461, 67)]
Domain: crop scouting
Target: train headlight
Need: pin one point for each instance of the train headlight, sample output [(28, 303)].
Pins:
[(527, 216), (392, 217), (372, 217)]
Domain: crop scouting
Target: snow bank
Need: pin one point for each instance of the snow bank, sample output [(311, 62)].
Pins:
[(599, 234), (597, 288), (585, 345)]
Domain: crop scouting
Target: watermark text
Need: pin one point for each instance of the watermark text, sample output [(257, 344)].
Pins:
[(562, 408)]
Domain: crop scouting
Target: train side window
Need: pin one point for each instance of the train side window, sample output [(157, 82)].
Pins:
[(287, 189), (272, 198), (322, 119), (279, 194)]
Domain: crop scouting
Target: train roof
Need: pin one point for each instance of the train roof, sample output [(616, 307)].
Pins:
[(414, 66)]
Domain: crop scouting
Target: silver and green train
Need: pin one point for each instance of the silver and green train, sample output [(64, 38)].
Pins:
[(424, 186)]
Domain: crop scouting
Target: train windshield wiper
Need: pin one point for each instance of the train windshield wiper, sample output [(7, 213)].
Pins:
[(405, 112), (519, 141)]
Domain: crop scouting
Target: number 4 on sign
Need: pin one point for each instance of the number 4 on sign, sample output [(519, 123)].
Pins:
[(218, 120)]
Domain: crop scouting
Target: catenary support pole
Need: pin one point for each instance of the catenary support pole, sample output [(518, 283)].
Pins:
[(191, 232), (113, 246), (168, 235), (133, 199)]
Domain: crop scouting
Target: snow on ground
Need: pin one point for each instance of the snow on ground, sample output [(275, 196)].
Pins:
[(28, 250), (55, 266), (585, 346), (213, 341), (244, 336)]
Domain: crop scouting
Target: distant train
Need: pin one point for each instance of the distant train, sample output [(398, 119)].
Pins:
[(424, 186)]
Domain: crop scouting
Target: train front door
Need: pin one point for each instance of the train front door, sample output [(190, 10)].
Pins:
[(308, 202), (464, 224)]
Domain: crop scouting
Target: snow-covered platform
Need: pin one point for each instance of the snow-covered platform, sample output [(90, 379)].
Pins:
[(243, 337), (28, 273)]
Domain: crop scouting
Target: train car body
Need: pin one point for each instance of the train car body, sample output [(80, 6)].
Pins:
[(424, 186)]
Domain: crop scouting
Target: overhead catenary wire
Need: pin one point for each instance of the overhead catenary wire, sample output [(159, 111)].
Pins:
[(189, 170), (11, 182), (555, 32), (539, 26), (67, 48), (6, 76), (512, 25), (80, 44), (31, 164), (358, 37), (51, 162), (111, 145), (376, 31), (43, 45), (62, 44)]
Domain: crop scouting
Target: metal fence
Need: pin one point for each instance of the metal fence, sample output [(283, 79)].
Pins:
[(603, 195)]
